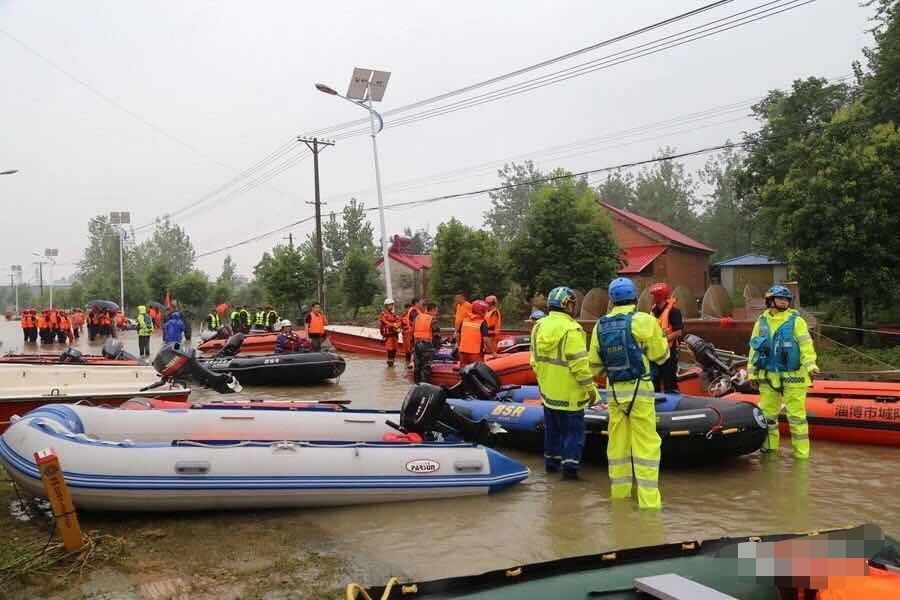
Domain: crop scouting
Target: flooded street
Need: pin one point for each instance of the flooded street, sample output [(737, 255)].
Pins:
[(541, 519)]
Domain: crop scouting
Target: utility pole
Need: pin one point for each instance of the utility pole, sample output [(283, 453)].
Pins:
[(290, 239), (315, 146)]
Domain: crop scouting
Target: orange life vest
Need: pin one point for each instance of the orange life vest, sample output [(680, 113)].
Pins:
[(389, 322), (470, 340), (492, 318), (422, 327), (27, 321), (877, 585), (663, 319), (404, 320), (41, 322), (462, 312), (64, 324), (317, 323), (52, 320)]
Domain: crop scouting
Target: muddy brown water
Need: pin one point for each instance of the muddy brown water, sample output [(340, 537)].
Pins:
[(544, 518)]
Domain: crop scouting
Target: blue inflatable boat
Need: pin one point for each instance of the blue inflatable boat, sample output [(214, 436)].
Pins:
[(693, 429)]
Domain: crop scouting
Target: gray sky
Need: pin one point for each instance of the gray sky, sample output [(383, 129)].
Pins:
[(234, 81)]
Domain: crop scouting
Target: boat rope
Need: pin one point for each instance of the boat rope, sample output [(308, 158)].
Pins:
[(878, 331), (358, 592), (863, 354)]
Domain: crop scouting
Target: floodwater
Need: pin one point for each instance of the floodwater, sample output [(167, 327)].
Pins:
[(545, 518)]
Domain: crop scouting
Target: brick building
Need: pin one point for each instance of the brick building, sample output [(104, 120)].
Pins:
[(409, 272), (656, 252)]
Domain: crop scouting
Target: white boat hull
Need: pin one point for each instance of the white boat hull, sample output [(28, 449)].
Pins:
[(170, 473)]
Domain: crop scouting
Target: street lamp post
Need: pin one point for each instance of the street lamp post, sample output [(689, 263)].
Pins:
[(50, 254), (17, 277), (120, 219), (367, 85)]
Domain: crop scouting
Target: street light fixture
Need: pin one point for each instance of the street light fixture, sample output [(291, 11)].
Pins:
[(367, 85), (9, 172), (120, 219)]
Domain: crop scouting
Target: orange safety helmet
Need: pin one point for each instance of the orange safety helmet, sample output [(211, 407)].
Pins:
[(491, 300), (479, 307), (659, 291)]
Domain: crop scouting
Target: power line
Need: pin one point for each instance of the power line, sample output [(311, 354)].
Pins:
[(764, 11), (118, 105), (692, 34), (529, 68), (482, 191)]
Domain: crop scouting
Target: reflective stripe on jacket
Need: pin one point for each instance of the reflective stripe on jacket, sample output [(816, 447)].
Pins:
[(559, 358)]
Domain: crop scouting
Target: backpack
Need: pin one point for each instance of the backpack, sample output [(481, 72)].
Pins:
[(622, 357)]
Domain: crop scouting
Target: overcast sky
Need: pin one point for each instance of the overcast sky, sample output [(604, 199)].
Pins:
[(150, 106)]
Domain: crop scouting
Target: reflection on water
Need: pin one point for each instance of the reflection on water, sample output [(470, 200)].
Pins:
[(545, 518)]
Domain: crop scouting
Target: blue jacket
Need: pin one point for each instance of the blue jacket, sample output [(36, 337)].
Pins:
[(173, 330)]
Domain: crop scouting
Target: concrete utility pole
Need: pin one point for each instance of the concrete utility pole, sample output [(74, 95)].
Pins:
[(315, 146), (290, 239)]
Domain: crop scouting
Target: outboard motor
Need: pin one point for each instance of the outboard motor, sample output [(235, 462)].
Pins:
[(115, 350), (477, 380), (72, 356), (174, 361), (425, 411), (721, 376), (232, 346)]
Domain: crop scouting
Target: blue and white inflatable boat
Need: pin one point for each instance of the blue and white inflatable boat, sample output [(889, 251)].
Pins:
[(189, 459)]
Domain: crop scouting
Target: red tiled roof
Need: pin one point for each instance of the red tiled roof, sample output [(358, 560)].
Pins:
[(658, 228), (638, 257), (415, 262)]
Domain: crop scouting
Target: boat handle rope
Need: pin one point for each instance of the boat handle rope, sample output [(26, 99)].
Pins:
[(717, 426), (357, 592)]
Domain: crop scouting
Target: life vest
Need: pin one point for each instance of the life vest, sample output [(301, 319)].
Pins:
[(619, 351), (462, 311), (52, 320), (42, 322), (64, 325), (404, 320), (422, 328), (212, 320), (27, 321), (235, 317), (145, 325), (388, 322), (245, 317), (260, 318), (492, 318), (271, 317), (779, 354), (317, 323), (663, 319), (470, 340)]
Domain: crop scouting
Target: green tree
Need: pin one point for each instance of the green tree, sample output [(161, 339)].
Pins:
[(565, 240), (191, 289), (359, 280), (881, 88), (664, 192), (99, 265), (420, 241), (226, 282), (288, 276), (169, 245), (835, 214), (159, 279), (618, 190), (509, 204), (726, 218), (468, 260), (352, 231)]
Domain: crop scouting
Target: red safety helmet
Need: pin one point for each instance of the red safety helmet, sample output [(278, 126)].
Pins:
[(491, 300), (479, 307), (659, 291)]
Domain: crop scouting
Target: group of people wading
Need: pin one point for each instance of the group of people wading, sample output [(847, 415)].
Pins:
[(53, 325), (416, 333), (631, 349)]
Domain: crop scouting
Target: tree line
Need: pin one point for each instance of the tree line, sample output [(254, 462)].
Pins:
[(818, 184)]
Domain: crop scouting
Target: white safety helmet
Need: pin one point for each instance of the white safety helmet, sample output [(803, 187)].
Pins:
[(388, 301), (286, 323)]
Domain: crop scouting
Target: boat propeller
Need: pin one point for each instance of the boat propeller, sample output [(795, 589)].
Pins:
[(174, 362)]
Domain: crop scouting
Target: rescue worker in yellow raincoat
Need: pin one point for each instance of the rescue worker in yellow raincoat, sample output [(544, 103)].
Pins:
[(623, 345), (781, 359), (559, 359)]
